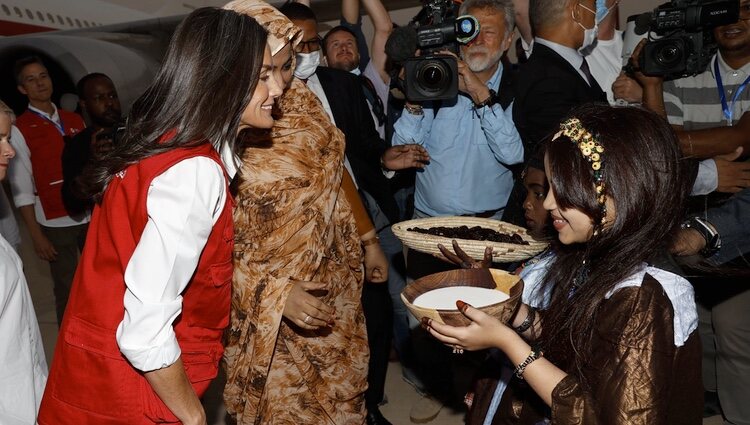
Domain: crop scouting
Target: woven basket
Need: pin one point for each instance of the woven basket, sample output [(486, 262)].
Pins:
[(501, 252)]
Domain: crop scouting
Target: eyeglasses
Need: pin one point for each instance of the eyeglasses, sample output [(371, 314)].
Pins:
[(309, 46)]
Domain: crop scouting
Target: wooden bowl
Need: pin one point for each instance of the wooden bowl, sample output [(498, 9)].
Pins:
[(480, 278)]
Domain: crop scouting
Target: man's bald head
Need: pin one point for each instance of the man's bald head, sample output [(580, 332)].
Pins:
[(546, 13)]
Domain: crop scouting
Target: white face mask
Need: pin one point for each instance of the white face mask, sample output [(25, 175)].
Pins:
[(590, 39), (590, 35), (307, 63)]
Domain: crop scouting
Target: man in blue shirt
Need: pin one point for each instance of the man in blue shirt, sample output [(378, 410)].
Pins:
[(472, 140)]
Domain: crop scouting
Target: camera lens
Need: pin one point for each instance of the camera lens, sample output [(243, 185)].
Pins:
[(433, 76), (669, 55)]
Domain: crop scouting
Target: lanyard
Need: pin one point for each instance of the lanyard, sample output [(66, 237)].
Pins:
[(60, 127), (728, 110)]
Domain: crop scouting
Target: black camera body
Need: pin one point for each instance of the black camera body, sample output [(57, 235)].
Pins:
[(686, 29), (433, 75), (109, 139)]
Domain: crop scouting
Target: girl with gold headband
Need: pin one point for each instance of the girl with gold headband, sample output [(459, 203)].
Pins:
[(615, 339), (297, 348)]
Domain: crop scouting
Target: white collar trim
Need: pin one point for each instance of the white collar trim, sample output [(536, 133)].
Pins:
[(680, 293)]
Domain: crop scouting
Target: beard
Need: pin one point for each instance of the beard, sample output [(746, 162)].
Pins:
[(345, 64), (481, 63)]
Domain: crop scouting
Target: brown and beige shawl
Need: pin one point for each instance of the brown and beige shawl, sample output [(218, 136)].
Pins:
[(292, 222)]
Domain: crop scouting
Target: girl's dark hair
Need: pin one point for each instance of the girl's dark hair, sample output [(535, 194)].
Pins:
[(207, 79), (644, 176)]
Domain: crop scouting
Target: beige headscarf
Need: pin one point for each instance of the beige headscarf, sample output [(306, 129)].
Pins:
[(281, 31)]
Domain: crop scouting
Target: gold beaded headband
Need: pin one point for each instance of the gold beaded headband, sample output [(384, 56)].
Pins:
[(594, 154)]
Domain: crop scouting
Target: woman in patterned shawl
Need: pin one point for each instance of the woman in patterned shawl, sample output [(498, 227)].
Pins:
[(297, 348)]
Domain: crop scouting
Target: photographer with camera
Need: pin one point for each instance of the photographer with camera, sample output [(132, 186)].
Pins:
[(711, 114), (99, 100), (471, 140), (708, 122)]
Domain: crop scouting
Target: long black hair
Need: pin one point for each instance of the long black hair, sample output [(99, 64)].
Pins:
[(207, 79), (645, 178)]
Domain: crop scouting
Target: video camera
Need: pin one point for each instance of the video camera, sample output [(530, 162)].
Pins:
[(686, 43), (432, 75)]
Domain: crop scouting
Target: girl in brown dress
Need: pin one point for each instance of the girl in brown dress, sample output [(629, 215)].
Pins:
[(615, 342), (297, 348)]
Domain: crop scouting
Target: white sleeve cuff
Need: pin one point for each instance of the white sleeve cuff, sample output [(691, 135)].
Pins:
[(707, 180), (160, 351), (22, 200)]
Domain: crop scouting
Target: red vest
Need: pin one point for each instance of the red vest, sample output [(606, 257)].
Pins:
[(90, 381), (46, 145)]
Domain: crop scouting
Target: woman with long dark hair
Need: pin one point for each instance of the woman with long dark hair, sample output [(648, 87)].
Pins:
[(616, 341), (142, 333)]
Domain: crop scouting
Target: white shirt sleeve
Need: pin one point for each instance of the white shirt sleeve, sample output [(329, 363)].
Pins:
[(19, 171), (605, 62), (707, 179), (183, 204)]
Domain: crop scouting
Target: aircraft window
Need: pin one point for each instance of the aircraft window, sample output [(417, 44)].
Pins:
[(29, 14), (18, 12), (40, 16), (6, 9), (78, 23), (50, 17), (86, 23), (70, 21), (60, 20)]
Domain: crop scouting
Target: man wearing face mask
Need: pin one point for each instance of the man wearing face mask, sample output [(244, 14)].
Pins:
[(556, 77), (367, 155), (604, 55)]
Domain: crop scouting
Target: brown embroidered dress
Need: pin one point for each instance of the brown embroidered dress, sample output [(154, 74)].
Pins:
[(292, 221), (637, 375)]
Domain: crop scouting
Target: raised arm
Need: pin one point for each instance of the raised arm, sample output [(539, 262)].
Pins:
[(608, 25), (350, 11), (522, 20), (383, 25)]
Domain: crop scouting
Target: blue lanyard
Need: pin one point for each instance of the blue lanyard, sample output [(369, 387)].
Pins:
[(60, 127), (728, 111)]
